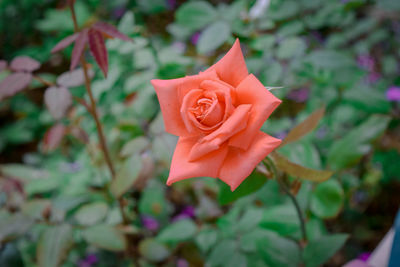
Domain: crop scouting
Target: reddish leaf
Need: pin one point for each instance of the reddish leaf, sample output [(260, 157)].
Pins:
[(3, 65), (14, 83), (110, 30), (64, 43), (98, 49), (57, 100), (24, 63), (299, 171), (80, 134), (53, 137), (79, 47), (304, 127), (73, 78)]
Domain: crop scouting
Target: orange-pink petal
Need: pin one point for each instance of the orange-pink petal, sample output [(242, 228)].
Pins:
[(239, 163), (232, 67), (181, 168), (251, 91)]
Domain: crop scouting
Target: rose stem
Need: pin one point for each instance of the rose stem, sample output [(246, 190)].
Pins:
[(95, 116), (292, 197)]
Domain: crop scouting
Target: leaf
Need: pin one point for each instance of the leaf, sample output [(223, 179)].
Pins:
[(73, 78), (213, 36), (153, 250), (91, 213), (206, 238), (299, 171), (79, 48), (14, 83), (177, 232), (57, 100), (64, 43), (53, 245), (251, 184), (106, 237), (222, 253), (53, 137), (35, 208), (349, 149), (327, 199), (24, 63), (329, 59), (98, 49), (304, 127), (278, 251), (195, 15), (282, 219), (136, 145), (14, 226), (110, 30), (126, 176), (291, 47), (318, 251)]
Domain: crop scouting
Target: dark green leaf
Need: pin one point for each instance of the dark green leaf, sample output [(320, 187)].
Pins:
[(195, 15), (106, 237), (178, 231), (327, 199), (153, 251)]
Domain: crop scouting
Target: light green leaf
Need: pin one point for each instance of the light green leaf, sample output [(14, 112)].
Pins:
[(206, 238), (327, 199), (179, 231), (329, 59), (222, 253), (318, 251), (136, 145), (13, 226), (213, 37), (291, 47), (126, 176), (106, 237), (282, 219), (153, 250), (91, 213), (195, 15), (53, 245)]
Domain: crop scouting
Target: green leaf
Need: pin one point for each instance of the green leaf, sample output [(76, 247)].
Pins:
[(136, 145), (249, 220), (14, 226), (53, 245), (329, 59), (299, 171), (153, 251), (195, 15), (348, 150), (222, 253), (213, 37), (35, 208), (206, 238), (282, 219), (327, 199), (179, 231), (304, 127), (278, 251), (291, 47), (91, 213), (126, 176), (106, 237), (318, 251), (251, 184)]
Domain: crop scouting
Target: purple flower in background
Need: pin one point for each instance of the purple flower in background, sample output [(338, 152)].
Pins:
[(299, 95), (281, 135), (393, 94), (179, 46), (373, 77), (187, 212), (182, 263), (195, 38), (364, 256), (89, 261), (118, 12), (365, 61), (150, 223), (171, 4)]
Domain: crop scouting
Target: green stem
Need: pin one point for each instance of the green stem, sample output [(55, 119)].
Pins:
[(286, 189)]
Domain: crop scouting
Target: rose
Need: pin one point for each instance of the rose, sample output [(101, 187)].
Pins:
[(217, 115)]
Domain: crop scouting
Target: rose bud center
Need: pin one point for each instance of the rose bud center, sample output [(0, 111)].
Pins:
[(208, 111)]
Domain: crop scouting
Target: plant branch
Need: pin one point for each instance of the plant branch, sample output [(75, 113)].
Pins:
[(270, 164)]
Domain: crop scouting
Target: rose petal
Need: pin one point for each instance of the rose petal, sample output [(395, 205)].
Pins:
[(232, 67), (235, 123), (170, 94), (239, 163), (208, 165), (188, 101), (251, 91), (224, 89)]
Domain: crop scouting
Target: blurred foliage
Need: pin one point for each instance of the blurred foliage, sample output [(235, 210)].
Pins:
[(55, 207)]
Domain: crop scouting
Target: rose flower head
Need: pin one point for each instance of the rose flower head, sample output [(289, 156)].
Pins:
[(217, 115)]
